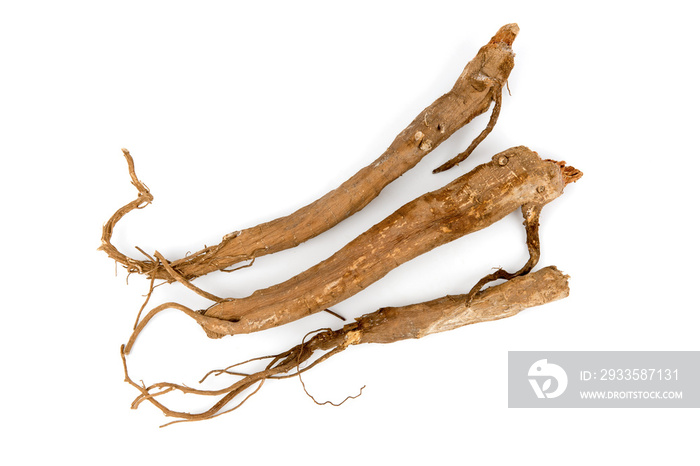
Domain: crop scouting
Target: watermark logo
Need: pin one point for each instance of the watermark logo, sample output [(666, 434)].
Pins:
[(603, 379), (542, 373)]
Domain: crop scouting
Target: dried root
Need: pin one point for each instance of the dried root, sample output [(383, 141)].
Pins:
[(144, 198), (386, 325), (514, 179), (480, 83)]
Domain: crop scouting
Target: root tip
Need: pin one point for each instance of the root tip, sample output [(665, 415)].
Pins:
[(506, 35), (568, 173)]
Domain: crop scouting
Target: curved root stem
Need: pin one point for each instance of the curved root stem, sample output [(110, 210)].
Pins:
[(152, 267), (212, 326), (303, 385), (461, 157), (142, 200), (531, 213)]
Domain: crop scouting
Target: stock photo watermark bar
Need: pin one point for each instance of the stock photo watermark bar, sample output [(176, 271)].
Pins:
[(604, 379)]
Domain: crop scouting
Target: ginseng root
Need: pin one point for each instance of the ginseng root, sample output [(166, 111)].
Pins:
[(386, 325), (515, 178), (480, 83)]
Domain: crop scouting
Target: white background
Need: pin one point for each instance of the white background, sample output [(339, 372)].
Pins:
[(238, 112)]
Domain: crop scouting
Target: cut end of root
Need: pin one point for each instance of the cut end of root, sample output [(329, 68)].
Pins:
[(568, 173), (506, 35)]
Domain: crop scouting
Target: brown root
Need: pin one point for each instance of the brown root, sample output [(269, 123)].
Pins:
[(480, 83), (142, 200), (386, 325)]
